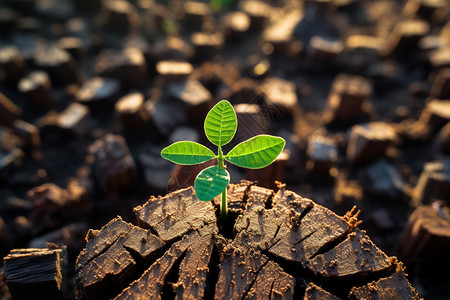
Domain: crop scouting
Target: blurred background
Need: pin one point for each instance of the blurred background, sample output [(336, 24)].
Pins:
[(92, 90)]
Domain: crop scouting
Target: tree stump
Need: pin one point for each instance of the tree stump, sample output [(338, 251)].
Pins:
[(273, 246)]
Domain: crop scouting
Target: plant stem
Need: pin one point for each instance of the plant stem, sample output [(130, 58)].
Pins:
[(223, 203)]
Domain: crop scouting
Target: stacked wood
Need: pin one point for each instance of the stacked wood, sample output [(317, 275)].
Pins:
[(278, 241), (35, 273)]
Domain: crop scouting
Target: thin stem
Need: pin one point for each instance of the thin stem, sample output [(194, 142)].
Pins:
[(223, 203)]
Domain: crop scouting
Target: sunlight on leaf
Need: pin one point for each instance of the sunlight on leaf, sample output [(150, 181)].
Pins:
[(211, 182), (221, 123), (187, 153), (257, 152)]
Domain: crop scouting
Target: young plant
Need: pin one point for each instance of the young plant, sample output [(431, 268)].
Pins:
[(220, 127)]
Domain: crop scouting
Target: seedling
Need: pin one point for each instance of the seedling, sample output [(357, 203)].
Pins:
[(220, 127)]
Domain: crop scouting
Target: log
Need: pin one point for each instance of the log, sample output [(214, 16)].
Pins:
[(35, 273), (281, 246)]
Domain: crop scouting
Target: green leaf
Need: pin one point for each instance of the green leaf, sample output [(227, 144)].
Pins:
[(187, 153), (221, 123), (211, 182), (257, 152)]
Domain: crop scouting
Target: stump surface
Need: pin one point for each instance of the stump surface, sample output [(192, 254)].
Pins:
[(274, 246)]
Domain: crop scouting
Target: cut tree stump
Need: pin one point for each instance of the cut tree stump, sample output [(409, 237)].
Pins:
[(273, 246), (35, 273)]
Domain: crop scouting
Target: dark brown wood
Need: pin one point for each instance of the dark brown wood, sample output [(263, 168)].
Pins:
[(246, 273), (369, 141), (346, 98), (113, 166), (12, 62), (150, 285), (35, 273), (236, 25), (37, 87), (314, 292), (278, 241), (58, 64), (258, 11), (98, 91), (395, 286), (131, 111), (174, 70), (175, 214), (280, 97), (194, 269), (436, 113), (426, 239), (9, 112), (196, 99), (128, 66), (353, 259)]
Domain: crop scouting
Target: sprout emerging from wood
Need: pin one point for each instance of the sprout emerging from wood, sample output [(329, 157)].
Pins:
[(220, 127)]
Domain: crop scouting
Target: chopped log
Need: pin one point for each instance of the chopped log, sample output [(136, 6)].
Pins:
[(206, 45), (172, 48), (74, 119), (433, 183), (395, 286), (426, 239), (35, 273), (405, 36), (195, 14), (74, 46), (120, 16), (12, 62), (279, 34), (369, 142), (443, 139), (324, 49), (9, 112), (175, 214), (128, 66), (196, 99), (276, 241), (37, 87), (98, 91), (174, 70), (281, 97), (267, 176), (441, 85), (252, 121), (322, 153), (435, 114), (131, 111), (58, 64), (236, 25), (384, 180), (166, 115), (29, 134), (314, 292), (258, 11), (439, 58), (113, 165)]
